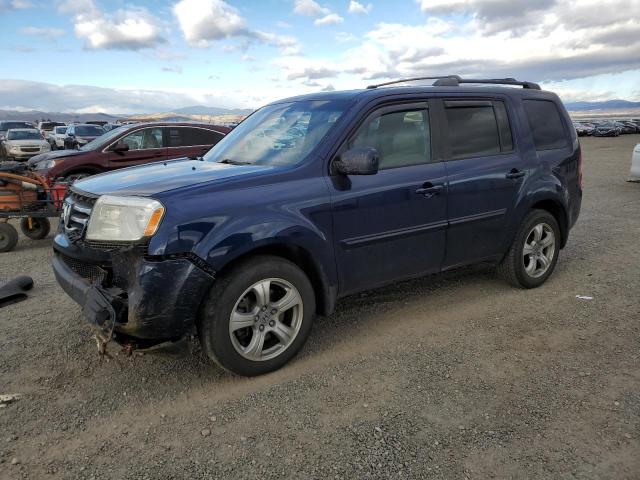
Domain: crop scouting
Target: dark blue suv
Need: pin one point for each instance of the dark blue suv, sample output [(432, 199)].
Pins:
[(316, 197)]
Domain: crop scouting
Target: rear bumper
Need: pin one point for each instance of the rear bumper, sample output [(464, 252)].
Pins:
[(142, 301)]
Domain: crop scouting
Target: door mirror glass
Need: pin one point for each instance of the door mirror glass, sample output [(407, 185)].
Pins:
[(358, 161), (120, 147)]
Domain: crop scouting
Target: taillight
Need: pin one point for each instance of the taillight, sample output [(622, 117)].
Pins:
[(580, 167)]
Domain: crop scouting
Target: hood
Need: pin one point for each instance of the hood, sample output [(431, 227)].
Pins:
[(154, 178), (53, 156), (26, 143)]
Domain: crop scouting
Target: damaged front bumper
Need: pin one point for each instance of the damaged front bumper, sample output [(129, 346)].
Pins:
[(132, 297)]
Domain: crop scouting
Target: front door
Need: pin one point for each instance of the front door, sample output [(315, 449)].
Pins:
[(145, 145), (391, 225)]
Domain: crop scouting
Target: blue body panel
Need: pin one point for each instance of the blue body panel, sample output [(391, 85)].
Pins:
[(358, 232)]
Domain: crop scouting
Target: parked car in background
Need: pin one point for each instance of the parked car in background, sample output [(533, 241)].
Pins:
[(78, 135), (607, 129), (628, 126), (127, 146), (47, 127), (107, 127), (6, 125), (584, 129), (100, 123), (24, 143), (57, 136), (317, 197)]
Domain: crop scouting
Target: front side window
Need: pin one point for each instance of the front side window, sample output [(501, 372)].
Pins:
[(282, 134), (472, 130), (401, 138), (546, 125), (144, 139), (189, 136)]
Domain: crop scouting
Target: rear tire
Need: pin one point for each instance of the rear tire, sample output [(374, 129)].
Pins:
[(533, 254), (40, 228), (8, 237), (257, 316)]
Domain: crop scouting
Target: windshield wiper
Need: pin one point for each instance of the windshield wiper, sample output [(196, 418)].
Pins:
[(230, 161)]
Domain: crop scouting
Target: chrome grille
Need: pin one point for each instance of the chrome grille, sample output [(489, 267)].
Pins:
[(76, 213), (30, 149)]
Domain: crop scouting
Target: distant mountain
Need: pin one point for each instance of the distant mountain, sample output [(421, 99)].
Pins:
[(211, 111), (37, 115), (605, 105)]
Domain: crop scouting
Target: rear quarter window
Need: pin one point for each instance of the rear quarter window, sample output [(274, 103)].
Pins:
[(189, 136), (546, 124)]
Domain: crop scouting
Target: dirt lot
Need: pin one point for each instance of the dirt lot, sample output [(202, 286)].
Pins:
[(452, 376)]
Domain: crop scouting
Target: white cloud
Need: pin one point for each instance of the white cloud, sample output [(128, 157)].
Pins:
[(309, 8), (202, 21), (358, 8), (7, 5), (331, 19), (175, 69), (130, 28), (29, 95), (206, 21), (46, 33)]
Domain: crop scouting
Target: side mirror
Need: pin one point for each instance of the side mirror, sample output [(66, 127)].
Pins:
[(357, 161), (71, 134), (120, 147)]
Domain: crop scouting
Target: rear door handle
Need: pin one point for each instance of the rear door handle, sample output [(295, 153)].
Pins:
[(429, 190), (515, 173)]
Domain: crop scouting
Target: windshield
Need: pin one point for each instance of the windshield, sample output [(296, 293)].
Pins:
[(281, 135), (104, 139), (24, 135), (60, 130), (4, 126), (89, 130), (49, 125)]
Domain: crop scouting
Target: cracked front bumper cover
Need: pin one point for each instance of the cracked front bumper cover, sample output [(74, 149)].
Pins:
[(149, 301)]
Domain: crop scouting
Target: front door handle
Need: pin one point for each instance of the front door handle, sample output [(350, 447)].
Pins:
[(429, 190), (515, 173)]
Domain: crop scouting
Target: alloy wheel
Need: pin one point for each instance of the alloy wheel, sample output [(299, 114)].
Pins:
[(539, 250), (266, 319)]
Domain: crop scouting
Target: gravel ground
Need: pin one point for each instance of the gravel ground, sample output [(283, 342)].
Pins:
[(451, 376)]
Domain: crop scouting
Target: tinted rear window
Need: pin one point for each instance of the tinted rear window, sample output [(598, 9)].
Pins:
[(187, 136), (472, 130), (546, 124)]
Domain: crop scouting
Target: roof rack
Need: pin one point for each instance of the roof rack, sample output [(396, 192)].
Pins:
[(456, 80)]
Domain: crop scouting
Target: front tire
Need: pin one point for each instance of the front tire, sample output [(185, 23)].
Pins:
[(534, 252), (257, 316)]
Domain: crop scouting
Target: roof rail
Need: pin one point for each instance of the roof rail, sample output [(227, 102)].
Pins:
[(414, 79), (456, 80)]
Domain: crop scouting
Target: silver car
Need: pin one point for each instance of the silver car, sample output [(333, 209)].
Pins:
[(24, 143)]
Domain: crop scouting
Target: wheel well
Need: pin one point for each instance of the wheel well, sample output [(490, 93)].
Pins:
[(325, 301), (555, 209)]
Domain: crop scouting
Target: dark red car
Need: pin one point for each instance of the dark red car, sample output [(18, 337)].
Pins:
[(127, 146)]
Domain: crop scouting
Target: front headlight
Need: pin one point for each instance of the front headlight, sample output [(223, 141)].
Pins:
[(124, 219), (46, 165), (14, 148)]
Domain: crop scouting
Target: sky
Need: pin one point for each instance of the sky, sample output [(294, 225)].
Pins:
[(131, 56)]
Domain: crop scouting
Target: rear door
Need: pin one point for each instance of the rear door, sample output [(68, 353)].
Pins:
[(391, 225), (145, 145), (485, 173), (184, 141)]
